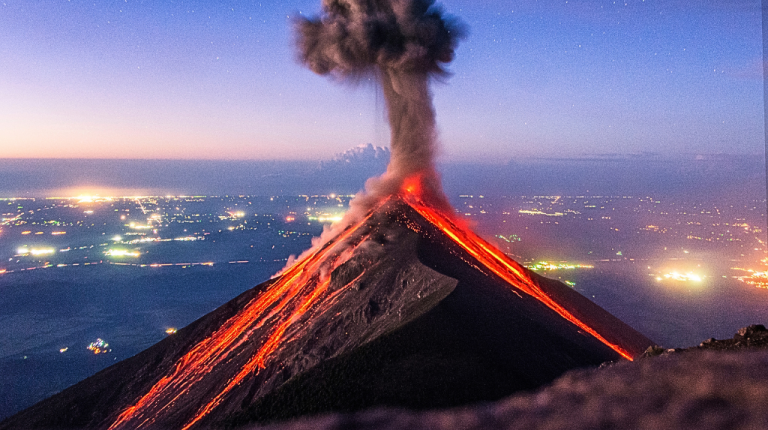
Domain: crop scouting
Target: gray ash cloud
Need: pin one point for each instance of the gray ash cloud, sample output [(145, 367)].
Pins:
[(353, 37), (403, 44)]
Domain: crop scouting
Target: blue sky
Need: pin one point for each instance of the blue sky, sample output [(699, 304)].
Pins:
[(219, 80)]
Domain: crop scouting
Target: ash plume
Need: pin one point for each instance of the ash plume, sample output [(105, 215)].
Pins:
[(403, 44)]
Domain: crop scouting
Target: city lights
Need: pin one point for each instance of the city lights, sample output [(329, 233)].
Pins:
[(538, 212), (562, 265), (122, 253), (758, 279), (99, 346), (684, 233), (680, 277), (35, 252), (135, 226), (326, 217), (88, 198), (511, 238)]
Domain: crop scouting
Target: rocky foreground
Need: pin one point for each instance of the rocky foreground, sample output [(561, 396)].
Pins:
[(721, 384)]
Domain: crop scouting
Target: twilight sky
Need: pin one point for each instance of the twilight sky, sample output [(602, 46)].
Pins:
[(219, 80)]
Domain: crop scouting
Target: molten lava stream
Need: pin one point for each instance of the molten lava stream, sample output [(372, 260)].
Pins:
[(299, 284), (258, 361), (500, 264)]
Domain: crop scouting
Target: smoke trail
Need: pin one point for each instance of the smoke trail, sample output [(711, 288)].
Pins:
[(403, 44)]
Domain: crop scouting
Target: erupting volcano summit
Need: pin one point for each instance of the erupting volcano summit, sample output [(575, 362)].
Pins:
[(399, 304), (404, 308)]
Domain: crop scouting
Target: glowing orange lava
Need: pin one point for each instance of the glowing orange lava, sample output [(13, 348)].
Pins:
[(412, 185)]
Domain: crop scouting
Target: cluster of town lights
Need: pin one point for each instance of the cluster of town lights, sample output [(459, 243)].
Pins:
[(122, 253), (35, 252), (546, 265), (324, 218), (681, 277), (755, 278), (99, 346)]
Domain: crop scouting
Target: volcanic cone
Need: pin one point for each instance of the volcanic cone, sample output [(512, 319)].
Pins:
[(405, 308)]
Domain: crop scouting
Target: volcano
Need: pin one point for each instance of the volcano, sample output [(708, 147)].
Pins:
[(404, 308)]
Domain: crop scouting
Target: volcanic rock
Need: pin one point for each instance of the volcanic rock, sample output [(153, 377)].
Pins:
[(395, 311), (754, 336), (751, 337)]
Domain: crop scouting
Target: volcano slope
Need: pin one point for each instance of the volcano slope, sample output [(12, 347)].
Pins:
[(398, 310)]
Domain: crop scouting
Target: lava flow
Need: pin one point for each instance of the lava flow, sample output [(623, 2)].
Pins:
[(501, 265)]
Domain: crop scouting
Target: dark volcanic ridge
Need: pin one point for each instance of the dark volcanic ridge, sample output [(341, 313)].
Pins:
[(754, 336), (405, 318)]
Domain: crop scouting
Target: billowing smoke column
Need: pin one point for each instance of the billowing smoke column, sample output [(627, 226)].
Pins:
[(403, 43)]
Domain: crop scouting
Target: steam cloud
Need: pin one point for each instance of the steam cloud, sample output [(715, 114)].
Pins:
[(403, 44)]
